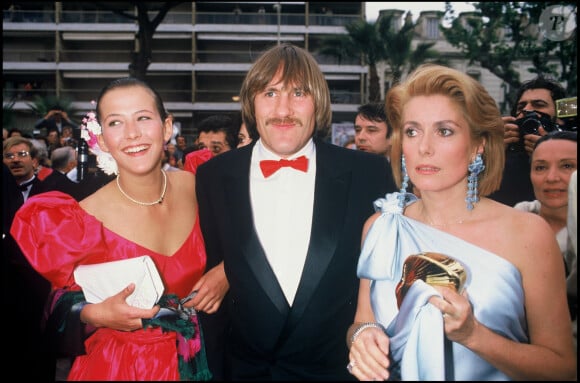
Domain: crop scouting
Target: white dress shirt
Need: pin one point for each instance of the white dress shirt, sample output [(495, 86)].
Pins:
[(72, 175), (26, 191), (282, 205)]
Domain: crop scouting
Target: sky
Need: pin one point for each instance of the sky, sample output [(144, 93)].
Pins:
[(416, 7)]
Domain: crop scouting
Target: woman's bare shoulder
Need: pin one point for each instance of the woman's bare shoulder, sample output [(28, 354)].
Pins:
[(183, 180), (519, 235), (518, 220), (94, 203), (181, 176)]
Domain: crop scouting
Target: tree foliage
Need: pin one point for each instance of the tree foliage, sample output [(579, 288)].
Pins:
[(8, 116), (41, 105), (361, 41), (501, 33), (397, 45), (378, 42), (141, 57)]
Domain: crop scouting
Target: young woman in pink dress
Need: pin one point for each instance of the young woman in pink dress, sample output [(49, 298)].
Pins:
[(145, 211)]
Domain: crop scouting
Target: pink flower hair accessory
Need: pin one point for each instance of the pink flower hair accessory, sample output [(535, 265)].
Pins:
[(90, 129)]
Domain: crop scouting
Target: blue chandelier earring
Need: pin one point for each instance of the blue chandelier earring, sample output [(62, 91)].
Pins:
[(404, 184), (475, 168)]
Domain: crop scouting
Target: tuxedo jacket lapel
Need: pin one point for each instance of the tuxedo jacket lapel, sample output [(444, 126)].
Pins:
[(240, 205), (36, 188), (331, 190)]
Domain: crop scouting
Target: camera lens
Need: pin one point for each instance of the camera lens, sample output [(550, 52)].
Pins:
[(531, 126)]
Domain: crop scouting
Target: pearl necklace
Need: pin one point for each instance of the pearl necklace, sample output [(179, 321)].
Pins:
[(146, 203)]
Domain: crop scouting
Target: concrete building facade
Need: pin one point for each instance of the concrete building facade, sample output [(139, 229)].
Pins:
[(200, 53)]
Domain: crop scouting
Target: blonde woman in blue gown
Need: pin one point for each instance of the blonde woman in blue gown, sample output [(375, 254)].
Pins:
[(511, 319)]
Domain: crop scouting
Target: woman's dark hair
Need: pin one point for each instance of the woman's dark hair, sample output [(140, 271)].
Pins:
[(558, 135), (128, 82)]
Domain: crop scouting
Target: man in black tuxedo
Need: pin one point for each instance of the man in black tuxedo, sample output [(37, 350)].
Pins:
[(21, 158), (288, 238), (63, 160)]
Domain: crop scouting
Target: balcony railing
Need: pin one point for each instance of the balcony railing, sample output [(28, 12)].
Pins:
[(174, 56), (272, 19), (345, 97), (20, 16), (234, 57), (28, 55), (95, 56), (94, 17), (109, 17), (249, 18)]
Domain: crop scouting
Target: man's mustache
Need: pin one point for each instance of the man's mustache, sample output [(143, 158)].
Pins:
[(284, 121)]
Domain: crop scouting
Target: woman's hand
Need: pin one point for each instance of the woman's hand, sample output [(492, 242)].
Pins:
[(369, 355), (115, 313), (458, 318)]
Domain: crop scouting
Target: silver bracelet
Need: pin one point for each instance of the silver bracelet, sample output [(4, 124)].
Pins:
[(363, 327)]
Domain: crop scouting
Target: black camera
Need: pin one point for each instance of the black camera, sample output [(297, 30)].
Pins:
[(530, 124), (532, 121)]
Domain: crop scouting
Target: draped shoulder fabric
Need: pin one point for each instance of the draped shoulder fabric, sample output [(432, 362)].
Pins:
[(494, 287), (56, 235)]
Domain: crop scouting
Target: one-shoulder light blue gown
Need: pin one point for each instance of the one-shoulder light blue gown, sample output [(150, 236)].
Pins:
[(418, 351)]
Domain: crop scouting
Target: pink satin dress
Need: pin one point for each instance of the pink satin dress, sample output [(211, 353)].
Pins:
[(56, 235)]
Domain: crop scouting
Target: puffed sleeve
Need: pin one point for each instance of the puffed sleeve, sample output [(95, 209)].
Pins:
[(56, 234)]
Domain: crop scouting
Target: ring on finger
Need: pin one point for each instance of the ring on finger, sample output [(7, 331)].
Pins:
[(350, 366)]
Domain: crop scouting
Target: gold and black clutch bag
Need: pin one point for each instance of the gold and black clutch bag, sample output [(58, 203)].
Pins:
[(434, 269)]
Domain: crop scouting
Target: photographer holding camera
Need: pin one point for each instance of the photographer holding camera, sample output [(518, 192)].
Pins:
[(55, 118), (532, 116)]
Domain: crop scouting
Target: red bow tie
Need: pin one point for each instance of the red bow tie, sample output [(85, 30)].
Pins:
[(270, 167)]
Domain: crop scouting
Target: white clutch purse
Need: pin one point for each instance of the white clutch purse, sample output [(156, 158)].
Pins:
[(102, 280)]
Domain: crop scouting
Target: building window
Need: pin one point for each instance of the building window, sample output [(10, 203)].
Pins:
[(432, 28), (475, 74)]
